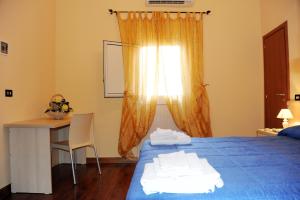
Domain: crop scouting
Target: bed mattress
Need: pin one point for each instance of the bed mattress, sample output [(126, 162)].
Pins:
[(251, 168)]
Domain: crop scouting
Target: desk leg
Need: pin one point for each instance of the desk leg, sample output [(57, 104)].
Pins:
[(30, 160), (54, 153)]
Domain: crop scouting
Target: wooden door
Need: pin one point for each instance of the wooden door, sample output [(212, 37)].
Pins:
[(276, 74)]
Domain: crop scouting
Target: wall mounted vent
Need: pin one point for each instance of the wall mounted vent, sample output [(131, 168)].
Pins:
[(169, 2)]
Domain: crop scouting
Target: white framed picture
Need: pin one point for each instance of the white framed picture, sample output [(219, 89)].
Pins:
[(113, 72)]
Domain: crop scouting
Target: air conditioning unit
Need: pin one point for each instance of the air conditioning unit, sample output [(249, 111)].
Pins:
[(169, 2)]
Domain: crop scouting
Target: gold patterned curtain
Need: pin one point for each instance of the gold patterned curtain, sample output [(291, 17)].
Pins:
[(162, 56), (189, 109)]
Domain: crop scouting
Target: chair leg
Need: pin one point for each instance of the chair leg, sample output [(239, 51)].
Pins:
[(72, 163), (97, 158), (75, 159)]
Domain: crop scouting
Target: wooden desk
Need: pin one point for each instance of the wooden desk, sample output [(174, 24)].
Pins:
[(30, 153)]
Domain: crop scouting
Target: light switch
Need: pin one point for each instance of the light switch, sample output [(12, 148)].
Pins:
[(8, 93), (4, 47)]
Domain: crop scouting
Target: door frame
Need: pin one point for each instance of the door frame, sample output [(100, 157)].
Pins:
[(283, 26)]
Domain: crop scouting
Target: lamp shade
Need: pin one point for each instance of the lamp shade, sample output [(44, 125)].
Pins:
[(285, 114)]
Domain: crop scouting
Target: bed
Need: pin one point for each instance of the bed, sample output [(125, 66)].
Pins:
[(251, 168)]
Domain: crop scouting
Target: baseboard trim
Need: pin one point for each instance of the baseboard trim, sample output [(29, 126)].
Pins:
[(110, 160), (5, 192)]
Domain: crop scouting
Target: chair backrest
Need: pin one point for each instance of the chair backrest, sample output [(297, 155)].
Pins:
[(80, 131)]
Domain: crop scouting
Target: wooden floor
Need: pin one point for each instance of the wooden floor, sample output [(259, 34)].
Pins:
[(112, 184)]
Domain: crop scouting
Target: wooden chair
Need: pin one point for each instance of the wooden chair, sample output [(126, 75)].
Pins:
[(80, 135)]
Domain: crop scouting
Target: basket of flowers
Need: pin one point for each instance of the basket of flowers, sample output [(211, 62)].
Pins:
[(58, 107)]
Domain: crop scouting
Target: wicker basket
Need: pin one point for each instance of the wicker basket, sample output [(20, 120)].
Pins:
[(56, 115)]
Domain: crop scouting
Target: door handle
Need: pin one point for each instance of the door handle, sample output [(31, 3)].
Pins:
[(280, 94)]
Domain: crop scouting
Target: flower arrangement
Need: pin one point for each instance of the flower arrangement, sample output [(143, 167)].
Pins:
[(58, 107)]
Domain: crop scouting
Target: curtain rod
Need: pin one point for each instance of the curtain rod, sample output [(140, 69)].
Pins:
[(111, 11)]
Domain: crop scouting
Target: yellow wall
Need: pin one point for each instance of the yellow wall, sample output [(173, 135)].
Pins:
[(58, 48), (274, 13), (233, 63), (28, 27), (69, 37)]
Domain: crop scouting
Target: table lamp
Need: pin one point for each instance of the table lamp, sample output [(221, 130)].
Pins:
[(285, 114)]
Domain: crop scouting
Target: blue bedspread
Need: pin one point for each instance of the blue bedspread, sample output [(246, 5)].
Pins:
[(253, 168)]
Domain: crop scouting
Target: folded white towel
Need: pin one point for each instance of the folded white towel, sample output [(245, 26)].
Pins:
[(182, 184), (188, 166), (162, 130), (168, 137), (176, 160), (187, 174)]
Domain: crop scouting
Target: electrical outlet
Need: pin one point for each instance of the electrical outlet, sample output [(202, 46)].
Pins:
[(297, 97), (8, 93)]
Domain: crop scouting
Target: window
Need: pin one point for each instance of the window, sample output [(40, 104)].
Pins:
[(160, 65)]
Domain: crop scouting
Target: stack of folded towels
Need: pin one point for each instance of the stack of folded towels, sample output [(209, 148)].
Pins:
[(180, 172), (169, 137)]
